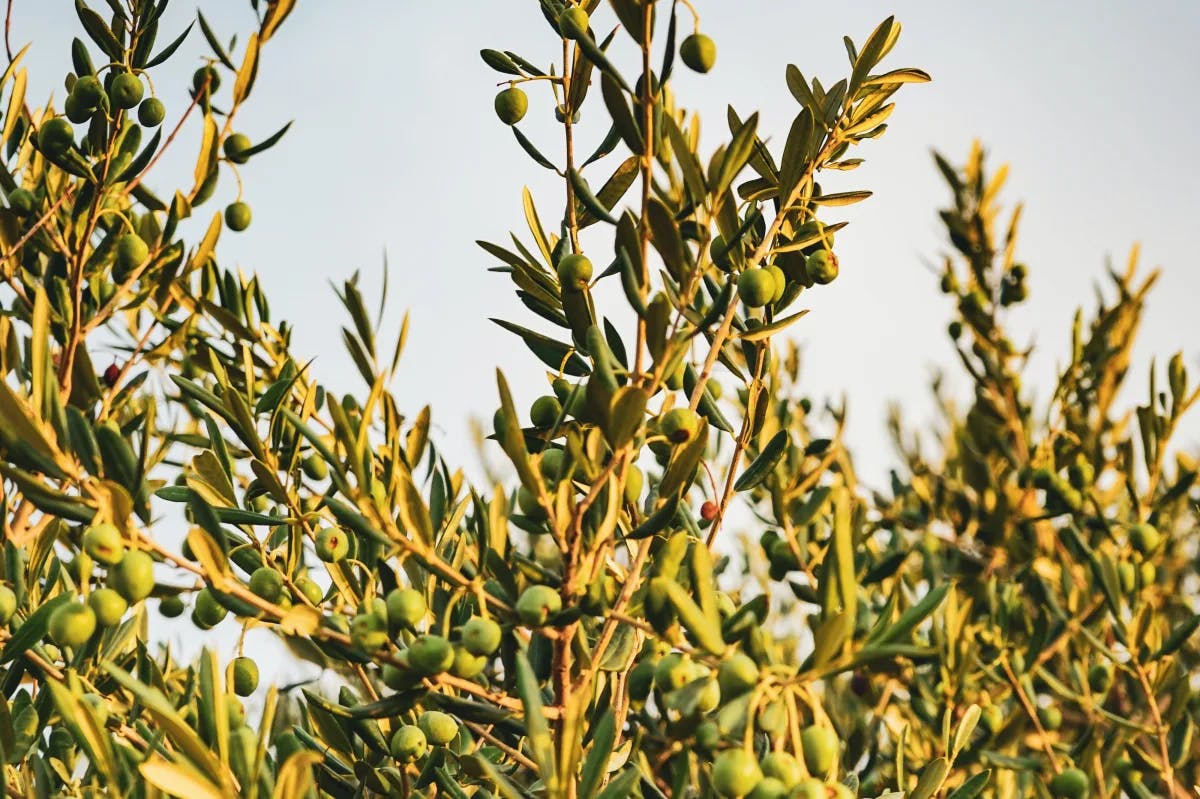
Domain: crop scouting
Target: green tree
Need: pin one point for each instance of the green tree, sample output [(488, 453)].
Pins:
[(1013, 619)]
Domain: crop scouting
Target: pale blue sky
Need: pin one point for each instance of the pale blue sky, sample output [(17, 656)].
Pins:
[(395, 146)]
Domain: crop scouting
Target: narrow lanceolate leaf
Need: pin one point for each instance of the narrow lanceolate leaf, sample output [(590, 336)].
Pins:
[(931, 779), (596, 763), (972, 787), (766, 331), (705, 633), (762, 466), (537, 729), (1177, 638), (584, 193), (178, 780), (912, 617)]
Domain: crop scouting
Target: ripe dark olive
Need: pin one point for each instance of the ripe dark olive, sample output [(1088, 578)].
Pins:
[(152, 112), (511, 105), (698, 52)]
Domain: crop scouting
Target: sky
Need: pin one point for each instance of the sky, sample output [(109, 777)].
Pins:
[(395, 148)]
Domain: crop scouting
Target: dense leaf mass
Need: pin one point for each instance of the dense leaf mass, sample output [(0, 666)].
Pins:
[(674, 583)]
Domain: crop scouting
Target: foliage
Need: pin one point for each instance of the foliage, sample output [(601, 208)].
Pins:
[(1014, 618)]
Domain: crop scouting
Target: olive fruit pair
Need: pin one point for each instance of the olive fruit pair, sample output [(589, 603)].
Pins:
[(761, 286)]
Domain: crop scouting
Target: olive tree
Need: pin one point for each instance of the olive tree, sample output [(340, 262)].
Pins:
[(677, 587)]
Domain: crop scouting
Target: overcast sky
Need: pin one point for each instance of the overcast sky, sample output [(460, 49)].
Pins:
[(395, 147)]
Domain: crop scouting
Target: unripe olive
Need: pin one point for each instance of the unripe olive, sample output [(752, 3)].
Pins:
[(88, 92), (439, 728), (528, 504), (209, 611), (1100, 677), (574, 272), (511, 105), (822, 266), (430, 654), (679, 424), (573, 22), (368, 632), (235, 148), (783, 766), (237, 216), (310, 590), (171, 606), (1050, 717), (481, 636), (408, 744), (245, 676), (698, 52), (1070, 784), (206, 75), (133, 577), (735, 773), (75, 111), (780, 280), (545, 412), (126, 90), (333, 544), (406, 607), (634, 481), (737, 675), (132, 252), (152, 112), (755, 287), (22, 202), (314, 467), (108, 605), (537, 605), (267, 584), (72, 624), (8, 604), (55, 137), (466, 665), (820, 745), (672, 672), (769, 788), (809, 788), (550, 464), (1144, 538), (104, 544), (708, 736), (772, 719)]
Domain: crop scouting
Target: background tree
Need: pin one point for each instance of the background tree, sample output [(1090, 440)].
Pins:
[(1014, 619)]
